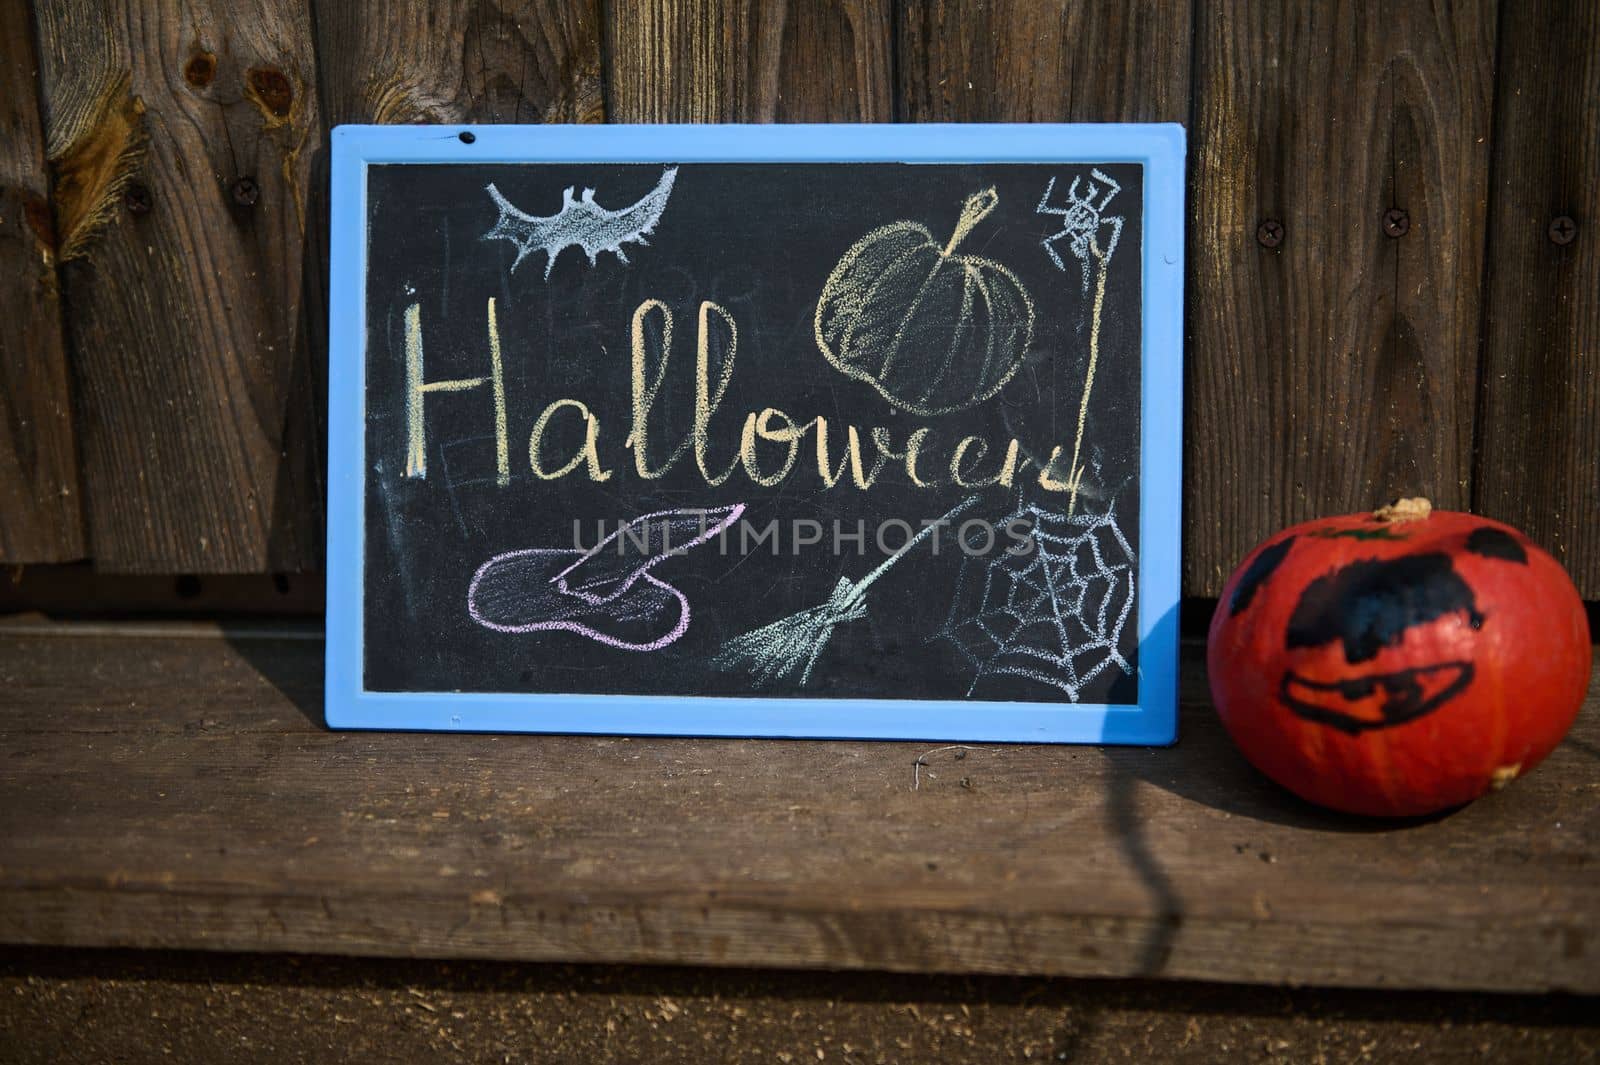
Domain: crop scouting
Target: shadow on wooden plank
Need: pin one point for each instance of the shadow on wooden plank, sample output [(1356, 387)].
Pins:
[(1211, 771), (279, 655)]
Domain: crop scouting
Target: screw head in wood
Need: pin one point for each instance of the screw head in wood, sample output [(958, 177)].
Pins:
[(246, 192), (1396, 223), (136, 198), (1563, 230), (1269, 234)]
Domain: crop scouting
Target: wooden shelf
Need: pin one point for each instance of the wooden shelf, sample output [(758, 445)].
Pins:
[(173, 786)]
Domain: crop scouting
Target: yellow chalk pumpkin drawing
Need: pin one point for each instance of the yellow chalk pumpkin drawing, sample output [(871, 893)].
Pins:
[(931, 330)]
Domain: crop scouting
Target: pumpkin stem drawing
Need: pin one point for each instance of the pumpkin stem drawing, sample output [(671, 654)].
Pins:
[(932, 330), (975, 210)]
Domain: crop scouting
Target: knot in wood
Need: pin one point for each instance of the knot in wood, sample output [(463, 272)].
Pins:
[(200, 69), (136, 198), (272, 88)]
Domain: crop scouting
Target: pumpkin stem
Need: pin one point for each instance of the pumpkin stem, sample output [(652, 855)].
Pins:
[(1404, 510), (975, 210)]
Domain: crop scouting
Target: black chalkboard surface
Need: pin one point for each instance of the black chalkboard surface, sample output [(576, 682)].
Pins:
[(787, 430)]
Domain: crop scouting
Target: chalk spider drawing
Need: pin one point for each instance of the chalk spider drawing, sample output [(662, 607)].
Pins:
[(1082, 218), (580, 223), (606, 593), (1055, 614)]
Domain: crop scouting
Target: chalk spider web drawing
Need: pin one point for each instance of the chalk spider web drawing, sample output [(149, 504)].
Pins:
[(1054, 614), (580, 223), (1083, 218), (793, 644)]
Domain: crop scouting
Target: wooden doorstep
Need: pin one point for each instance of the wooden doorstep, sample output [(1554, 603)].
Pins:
[(174, 787)]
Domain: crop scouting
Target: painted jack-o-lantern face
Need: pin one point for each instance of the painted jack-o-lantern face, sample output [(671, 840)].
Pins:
[(1368, 608), (1396, 657)]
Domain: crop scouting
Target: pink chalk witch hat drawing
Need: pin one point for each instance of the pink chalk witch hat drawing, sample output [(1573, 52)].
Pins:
[(606, 593)]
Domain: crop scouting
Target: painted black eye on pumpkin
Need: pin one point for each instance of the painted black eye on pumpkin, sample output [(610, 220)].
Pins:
[(1496, 543), (1369, 605), (1256, 575)]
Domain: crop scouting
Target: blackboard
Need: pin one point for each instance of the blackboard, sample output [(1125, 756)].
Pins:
[(689, 430)]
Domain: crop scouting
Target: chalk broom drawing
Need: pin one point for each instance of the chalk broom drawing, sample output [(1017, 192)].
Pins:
[(580, 223), (1083, 218), (933, 331), (1054, 614), (777, 651), (606, 593)]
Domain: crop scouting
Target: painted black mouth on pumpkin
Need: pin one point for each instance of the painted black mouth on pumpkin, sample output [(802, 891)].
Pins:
[(1379, 700)]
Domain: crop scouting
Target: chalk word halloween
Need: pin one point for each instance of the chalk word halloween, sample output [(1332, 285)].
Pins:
[(772, 444)]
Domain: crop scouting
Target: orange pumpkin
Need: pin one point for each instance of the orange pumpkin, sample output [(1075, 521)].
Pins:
[(1398, 663)]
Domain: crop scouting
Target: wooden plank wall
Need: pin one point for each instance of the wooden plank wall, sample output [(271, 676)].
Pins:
[(1539, 448), (1377, 302), (40, 520), (180, 137), (1338, 368)]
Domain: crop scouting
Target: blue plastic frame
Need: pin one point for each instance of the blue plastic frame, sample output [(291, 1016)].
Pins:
[(1153, 720)]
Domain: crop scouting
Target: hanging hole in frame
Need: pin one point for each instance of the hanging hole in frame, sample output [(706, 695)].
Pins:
[(467, 136)]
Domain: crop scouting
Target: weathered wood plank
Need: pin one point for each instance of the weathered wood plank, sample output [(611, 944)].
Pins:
[(80, 591), (1338, 369), (161, 791), (40, 519), (1039, 61), (837, 62), (184, 300), (462, 61), (1537, 464), (749, 61), (134, 1006)]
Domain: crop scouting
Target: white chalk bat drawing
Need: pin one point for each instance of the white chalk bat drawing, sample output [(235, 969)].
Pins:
[(581, 223)]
